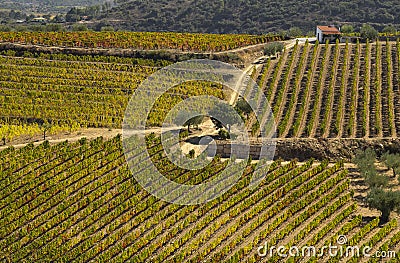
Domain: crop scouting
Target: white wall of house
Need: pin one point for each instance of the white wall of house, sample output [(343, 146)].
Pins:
[(319, 35)]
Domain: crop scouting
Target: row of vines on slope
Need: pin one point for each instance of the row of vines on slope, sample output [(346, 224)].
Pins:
[(138, 40), (347, 91)]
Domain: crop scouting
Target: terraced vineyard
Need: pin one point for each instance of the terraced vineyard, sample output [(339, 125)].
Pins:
[(90, 93), (335, 91), (77, 202), (332, 91), (81, 91), (138, 40)]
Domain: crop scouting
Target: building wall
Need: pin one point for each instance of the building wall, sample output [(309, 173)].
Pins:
[(319, 35)]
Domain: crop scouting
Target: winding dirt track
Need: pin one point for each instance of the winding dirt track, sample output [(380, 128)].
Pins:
[(90, 133)]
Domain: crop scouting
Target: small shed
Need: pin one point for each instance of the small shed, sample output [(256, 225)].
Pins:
[(325, 33)]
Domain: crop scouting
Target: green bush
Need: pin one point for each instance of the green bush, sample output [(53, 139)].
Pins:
[(389, 30), (192, 153), (223, 134), (368, 32), (347, 29), (183, 134), (273, 48)]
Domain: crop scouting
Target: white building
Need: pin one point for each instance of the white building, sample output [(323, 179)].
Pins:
[(325, 33)]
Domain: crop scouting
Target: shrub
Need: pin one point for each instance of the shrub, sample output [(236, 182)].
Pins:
[(347, 29), (192, 153), (368, 32), (273, 48), (183, 134), (223, 134)]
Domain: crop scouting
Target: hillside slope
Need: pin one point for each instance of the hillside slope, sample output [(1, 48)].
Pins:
[(40, 6), (83, 205), (247, 16)]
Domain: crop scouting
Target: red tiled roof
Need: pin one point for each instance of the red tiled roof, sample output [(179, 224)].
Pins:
[(329, 30)]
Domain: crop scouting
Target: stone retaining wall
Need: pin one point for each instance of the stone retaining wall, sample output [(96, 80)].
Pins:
[(303, 149)]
